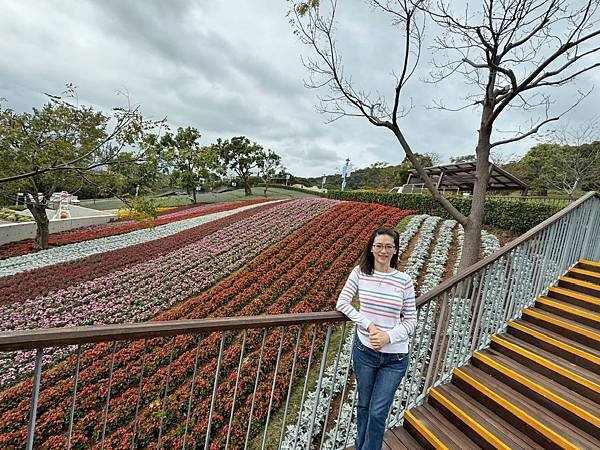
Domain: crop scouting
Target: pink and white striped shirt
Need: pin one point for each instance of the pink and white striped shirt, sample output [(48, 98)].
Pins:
[(387, 300)]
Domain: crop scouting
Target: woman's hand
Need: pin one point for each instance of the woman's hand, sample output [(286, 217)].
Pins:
[(378, 338)]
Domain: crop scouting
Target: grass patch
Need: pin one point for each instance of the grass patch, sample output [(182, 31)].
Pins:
[(208, 197)]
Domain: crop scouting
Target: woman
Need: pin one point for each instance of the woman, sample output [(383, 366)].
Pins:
[(384, 323)]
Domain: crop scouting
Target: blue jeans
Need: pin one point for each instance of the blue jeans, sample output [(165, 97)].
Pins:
[(377, 377)]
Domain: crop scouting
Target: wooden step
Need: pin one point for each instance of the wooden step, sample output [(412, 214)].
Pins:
[(585, 275), (578, 410), (479, 423), (575, 352), (588, 265), (400, 439), (575, 298), (584, 287), (430, 428), (582, 381), (540, 424), (564, 309), (568, 328)]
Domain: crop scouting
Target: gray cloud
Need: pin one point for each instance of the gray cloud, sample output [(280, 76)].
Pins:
[(233, 68)]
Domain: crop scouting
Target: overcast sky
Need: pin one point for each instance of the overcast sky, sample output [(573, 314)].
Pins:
[(233, 68)]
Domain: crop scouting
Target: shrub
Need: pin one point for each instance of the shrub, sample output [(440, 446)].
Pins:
[(513, 215)]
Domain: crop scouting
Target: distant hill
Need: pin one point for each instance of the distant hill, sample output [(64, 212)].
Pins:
[(377, 176)]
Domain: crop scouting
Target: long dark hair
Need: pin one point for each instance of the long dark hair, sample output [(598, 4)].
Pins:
[(367, 260)]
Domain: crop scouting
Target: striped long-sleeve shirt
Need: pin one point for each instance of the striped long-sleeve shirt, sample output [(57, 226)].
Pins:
[(387, 300)]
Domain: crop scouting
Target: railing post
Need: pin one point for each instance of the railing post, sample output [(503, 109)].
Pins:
[(37, 376)]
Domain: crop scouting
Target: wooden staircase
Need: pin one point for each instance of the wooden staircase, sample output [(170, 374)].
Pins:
[(536, 386)]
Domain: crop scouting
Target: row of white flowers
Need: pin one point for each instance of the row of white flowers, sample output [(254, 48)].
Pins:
[(70, 252), (344, 430), (420, 252)]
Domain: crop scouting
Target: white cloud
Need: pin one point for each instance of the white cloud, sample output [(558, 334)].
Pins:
[(231, 68)]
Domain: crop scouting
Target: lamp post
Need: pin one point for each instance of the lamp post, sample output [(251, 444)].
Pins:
[(345, 173)]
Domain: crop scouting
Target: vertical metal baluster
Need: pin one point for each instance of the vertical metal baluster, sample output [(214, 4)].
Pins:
[(343, 395), (564, 229), (424, 318), (454, 334), (541, 265), (319, 381), (335, 369), (587, 233), (237, 380), (352, 407), (433, 362), (214, 392), (443, 342), (477, 308), (139, 396), (467, 299), (189, 408), (555, 254), (312, 348), (262, 348), (110, 375), (289, 393), (75, 383), (516, 270), (273, 387), (164, 402), (37, 377)]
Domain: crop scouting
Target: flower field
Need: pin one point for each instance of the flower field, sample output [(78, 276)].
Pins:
[(272, 258), (120, 227)]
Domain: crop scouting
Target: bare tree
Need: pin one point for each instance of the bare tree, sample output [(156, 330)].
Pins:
[(512, 52), (64, 140)]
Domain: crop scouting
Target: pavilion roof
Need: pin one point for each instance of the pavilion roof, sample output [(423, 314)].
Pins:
[(462, 175)]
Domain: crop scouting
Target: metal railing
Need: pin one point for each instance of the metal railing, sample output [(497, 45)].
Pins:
[(268, 381)]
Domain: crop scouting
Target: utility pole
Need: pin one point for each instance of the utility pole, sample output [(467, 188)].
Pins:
[(345, 173)]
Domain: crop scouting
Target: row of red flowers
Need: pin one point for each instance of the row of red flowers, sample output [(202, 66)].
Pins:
[(301, 273), (47, 279), (120, 227)]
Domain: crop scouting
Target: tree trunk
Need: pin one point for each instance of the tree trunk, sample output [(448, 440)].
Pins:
[(266, 187), (247, 189), (472, 227), (38, 211), (194, 196)]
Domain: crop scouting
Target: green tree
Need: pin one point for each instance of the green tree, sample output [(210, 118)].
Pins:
[(562, 168), (189, 162), (269, 163), (240, 156), (61, 142)]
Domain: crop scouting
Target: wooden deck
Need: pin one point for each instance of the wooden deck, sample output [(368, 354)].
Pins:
[(537, 385)]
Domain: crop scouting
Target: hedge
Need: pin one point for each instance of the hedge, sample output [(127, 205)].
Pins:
[(291, 188), (513, 215)]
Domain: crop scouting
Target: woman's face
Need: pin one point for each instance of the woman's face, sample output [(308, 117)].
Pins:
[(383, 249)]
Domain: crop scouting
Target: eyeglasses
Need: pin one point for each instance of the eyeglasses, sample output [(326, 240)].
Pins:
[(387, 248)]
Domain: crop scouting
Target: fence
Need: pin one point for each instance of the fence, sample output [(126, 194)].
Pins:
[(267, 381)]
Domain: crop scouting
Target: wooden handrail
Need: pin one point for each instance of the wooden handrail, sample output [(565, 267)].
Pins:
[(54, 337)]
